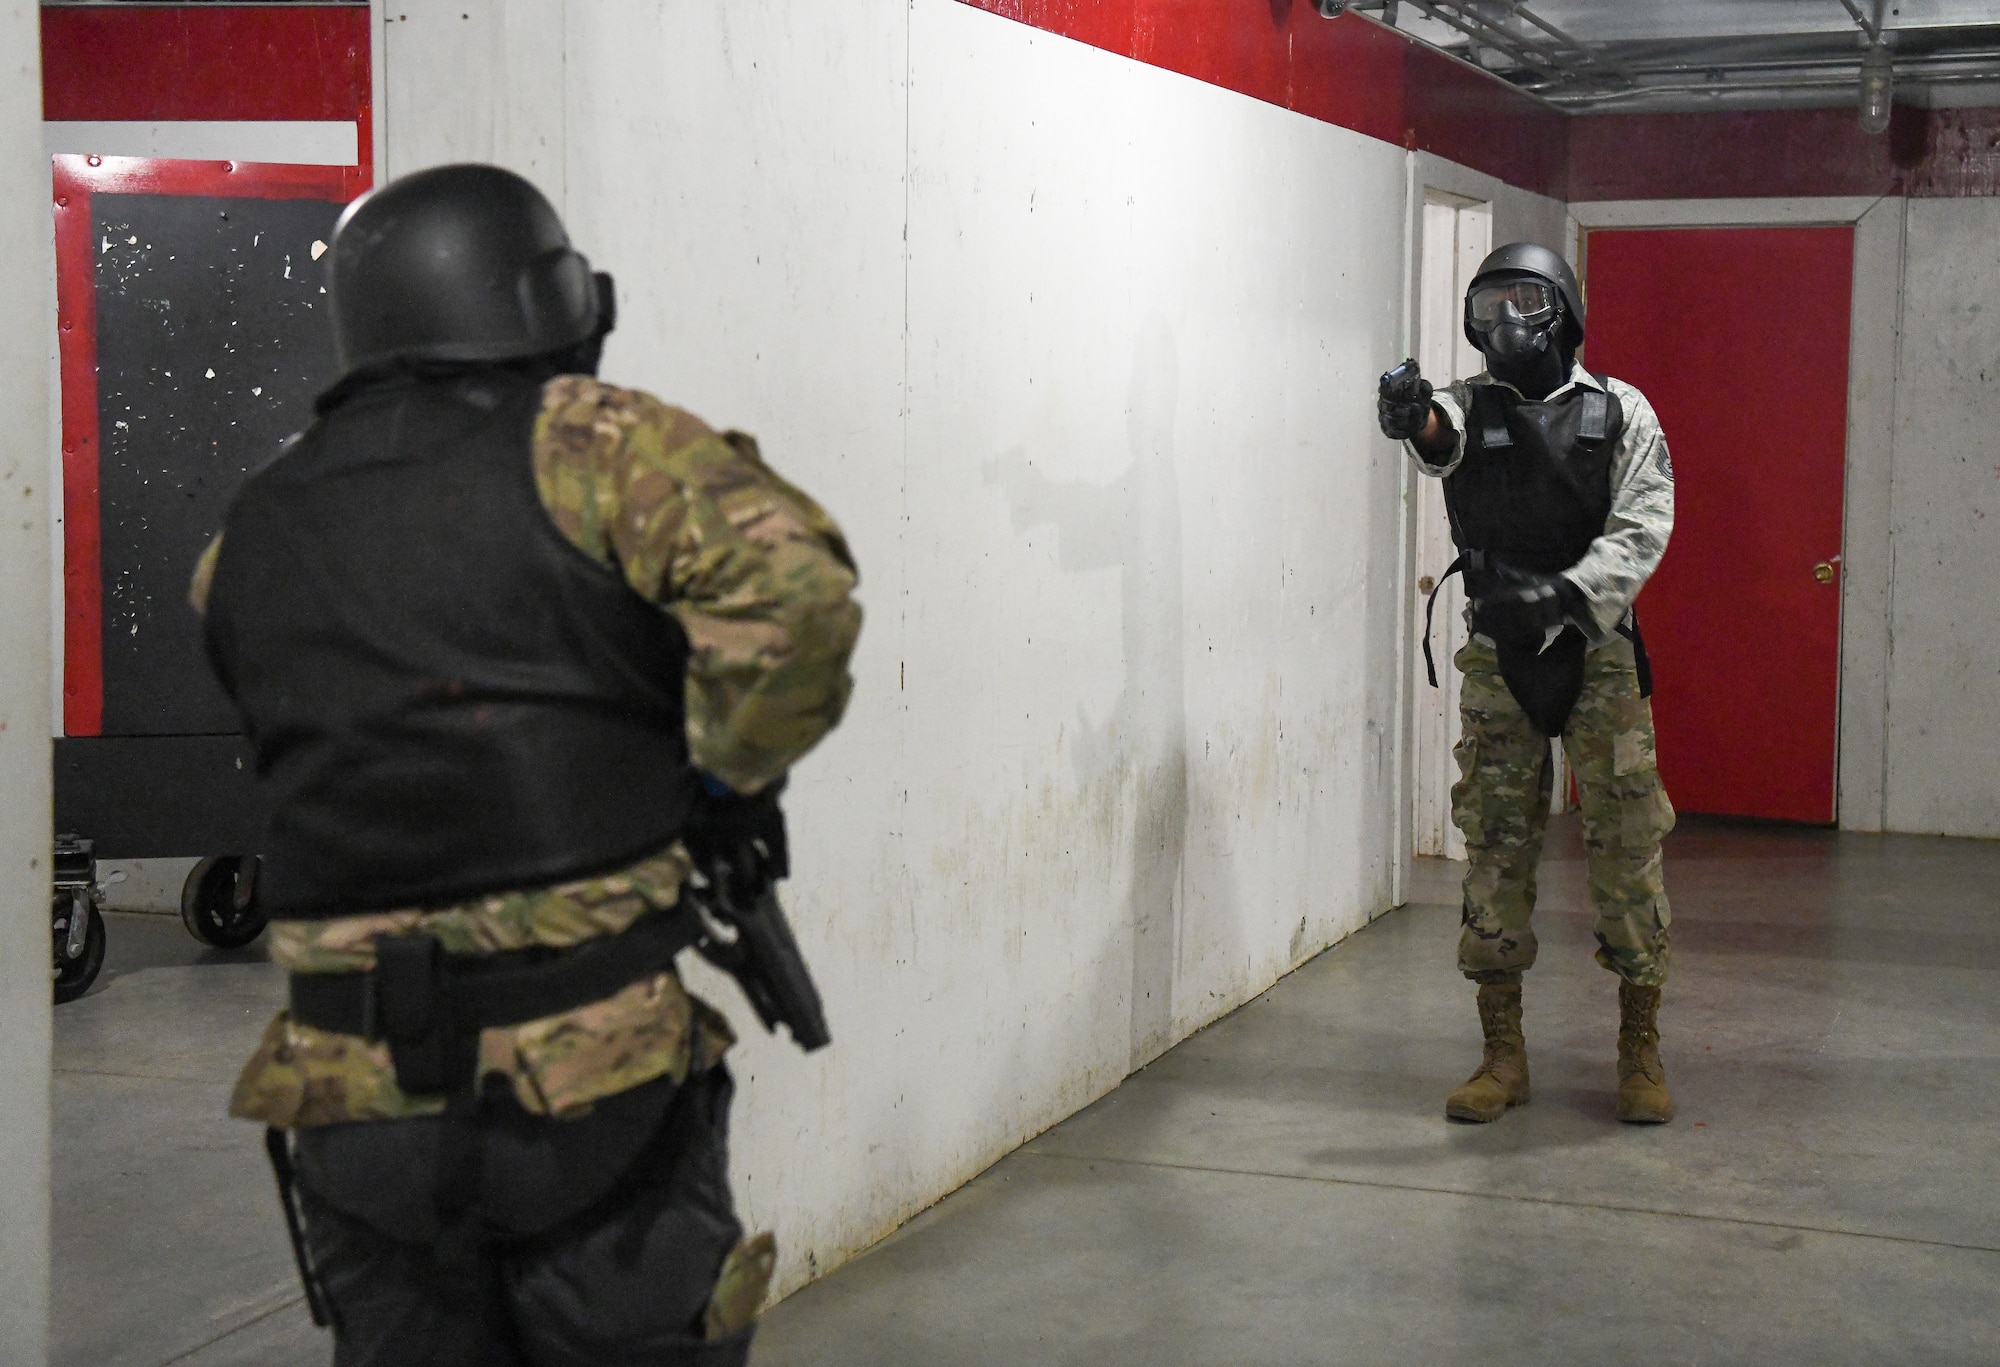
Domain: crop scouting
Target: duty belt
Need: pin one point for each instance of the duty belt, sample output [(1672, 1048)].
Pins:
[(430, 1006)]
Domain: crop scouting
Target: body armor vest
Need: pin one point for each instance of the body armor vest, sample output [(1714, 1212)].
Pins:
[(447, 698), (1534, 488), (1531, 493)]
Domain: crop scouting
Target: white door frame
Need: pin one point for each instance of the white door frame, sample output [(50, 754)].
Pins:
[(1861, 751)]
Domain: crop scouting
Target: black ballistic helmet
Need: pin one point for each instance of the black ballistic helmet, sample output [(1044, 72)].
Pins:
[(1532, 258), (459, 264)]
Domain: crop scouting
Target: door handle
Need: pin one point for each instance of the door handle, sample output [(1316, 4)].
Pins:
[(1823, 571)]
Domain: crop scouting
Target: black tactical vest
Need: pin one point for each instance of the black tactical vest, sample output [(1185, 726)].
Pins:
[(446, 697), (1534, 488)]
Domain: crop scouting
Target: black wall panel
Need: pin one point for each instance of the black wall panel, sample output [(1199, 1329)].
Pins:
[(212, 339)]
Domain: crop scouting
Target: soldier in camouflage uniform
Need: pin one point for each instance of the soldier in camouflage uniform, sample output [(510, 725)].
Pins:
[(1561, 499), (509, 641)]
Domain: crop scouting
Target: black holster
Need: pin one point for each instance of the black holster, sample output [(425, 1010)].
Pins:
[(1546, 682), (434, 1048)]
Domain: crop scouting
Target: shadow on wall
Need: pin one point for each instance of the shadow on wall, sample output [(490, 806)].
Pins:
[(1139, 750)]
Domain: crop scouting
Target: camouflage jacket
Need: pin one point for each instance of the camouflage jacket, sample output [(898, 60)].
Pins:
[(760, 579), (1620, 561)]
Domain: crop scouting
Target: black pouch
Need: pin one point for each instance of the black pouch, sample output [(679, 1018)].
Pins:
[(1547, 682), (433, 1052)]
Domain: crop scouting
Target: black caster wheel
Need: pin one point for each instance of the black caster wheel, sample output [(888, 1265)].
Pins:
[(78, 959), (219, 901)]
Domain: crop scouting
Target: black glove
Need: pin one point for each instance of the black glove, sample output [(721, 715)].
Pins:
[(745, 833), (1521, 606), (1403, 406)]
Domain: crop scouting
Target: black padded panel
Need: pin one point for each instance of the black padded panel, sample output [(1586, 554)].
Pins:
[(145, 797), (212, 339)]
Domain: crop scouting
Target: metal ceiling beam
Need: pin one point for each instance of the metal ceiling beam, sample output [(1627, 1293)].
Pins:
[(1592, 56), (1606, 21), (1548, 59), (1483, 33)]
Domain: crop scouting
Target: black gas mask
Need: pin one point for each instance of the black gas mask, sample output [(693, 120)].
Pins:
[(1517, 322)]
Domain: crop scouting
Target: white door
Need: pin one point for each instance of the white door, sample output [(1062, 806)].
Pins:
[(1457, 235)]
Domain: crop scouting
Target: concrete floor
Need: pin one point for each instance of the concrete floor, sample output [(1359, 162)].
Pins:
[(1282, 1188)]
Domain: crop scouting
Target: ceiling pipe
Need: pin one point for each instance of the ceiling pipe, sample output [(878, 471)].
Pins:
[(1872, 29), (1905, 66), (1800, 75), (1579, 101)]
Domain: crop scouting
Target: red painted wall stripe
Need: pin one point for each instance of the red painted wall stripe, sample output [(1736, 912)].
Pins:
[(1750, 154), (1744, 153), (1349, 71), (147, 62), (158, 63), (1465, 115), (76, 180)]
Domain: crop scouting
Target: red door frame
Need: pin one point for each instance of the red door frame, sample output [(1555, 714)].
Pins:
[(77, 179), (166, 63)]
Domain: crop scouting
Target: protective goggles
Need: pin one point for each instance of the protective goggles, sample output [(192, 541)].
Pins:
[(1533, 300)]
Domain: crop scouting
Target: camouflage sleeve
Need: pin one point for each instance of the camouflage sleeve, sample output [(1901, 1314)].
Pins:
[(757, 574), (1454, 399), (1619, 563), (204, 575)]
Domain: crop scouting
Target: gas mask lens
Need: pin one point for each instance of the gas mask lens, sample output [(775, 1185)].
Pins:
[(1534, 301)]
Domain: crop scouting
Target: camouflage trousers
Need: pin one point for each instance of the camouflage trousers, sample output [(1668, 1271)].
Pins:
[(1501, 804)]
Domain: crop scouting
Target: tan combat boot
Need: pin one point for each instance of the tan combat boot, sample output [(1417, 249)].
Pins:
[(1642, 1081), (1502, 1078)]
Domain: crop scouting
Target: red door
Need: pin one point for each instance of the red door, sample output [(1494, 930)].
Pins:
[(1739, 337)]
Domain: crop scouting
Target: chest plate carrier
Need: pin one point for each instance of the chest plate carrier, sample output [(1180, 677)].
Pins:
[(447, 698), (1534, 488), (1531, 494)]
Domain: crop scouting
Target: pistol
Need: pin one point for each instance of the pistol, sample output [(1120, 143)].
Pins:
[(1401, 384), (745, 932)]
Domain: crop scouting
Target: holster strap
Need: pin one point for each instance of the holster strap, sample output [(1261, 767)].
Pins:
[(1467, 562), (277, 1147), (1629, 629)]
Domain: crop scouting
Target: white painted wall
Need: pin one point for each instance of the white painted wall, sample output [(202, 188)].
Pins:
[(1081, 353), (26, 244), (1943, 769)]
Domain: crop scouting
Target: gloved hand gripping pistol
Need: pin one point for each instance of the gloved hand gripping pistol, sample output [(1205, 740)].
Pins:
[(740, 853), (1403, 404)]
